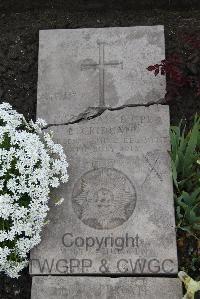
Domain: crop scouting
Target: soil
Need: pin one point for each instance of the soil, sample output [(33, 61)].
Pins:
[(86, 5), (18, 68)]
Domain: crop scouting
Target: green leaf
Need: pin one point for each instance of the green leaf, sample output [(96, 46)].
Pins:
[(196, 227), (187, 229), (190, 150), (174, 174)]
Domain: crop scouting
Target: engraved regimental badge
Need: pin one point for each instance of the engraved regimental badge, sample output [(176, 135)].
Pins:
[(104, 198)]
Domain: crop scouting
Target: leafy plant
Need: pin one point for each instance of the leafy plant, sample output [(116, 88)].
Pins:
[(31, 165), (185, 156), (182, 68)]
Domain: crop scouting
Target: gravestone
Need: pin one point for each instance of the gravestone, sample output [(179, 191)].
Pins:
[(86, 68), (118, 211), (118, 215), (106, 288)]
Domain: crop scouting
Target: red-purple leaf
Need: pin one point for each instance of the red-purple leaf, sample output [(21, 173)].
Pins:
[(162, 71), (156, 72), (151, 68)]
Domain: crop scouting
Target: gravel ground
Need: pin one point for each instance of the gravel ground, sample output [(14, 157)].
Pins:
[(18, 68)]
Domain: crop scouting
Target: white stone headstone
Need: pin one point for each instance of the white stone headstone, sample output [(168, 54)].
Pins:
[(118, 214)]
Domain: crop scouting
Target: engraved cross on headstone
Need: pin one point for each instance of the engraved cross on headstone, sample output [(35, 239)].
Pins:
[(101, 67)]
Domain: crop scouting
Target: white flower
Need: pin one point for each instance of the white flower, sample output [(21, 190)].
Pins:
[(30, 165), (55, 182), (59, 202)]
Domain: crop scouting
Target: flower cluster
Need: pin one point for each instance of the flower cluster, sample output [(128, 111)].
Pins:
[(30, 165)]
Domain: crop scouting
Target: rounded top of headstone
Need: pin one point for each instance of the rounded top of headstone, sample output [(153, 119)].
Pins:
[(104, 198)]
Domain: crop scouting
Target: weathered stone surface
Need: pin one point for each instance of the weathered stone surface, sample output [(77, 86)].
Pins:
[(118, 213), (105, 288), (81, 68)]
